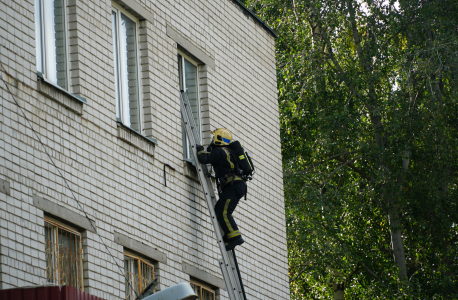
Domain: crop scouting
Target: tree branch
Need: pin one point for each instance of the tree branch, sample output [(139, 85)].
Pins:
[(348, 278), (338, 168), (359, 171), (330, 158), (369, 271)]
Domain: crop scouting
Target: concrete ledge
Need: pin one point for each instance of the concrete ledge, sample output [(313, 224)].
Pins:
[(4, 187), (190, 47), (135, 139), (139, 247), (136, 9), (189, 171), (203, 276), (63, 213), (66, 99)]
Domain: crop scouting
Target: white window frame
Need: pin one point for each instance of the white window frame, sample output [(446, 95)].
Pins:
[(117, 64), (187, 155), (40, 29)]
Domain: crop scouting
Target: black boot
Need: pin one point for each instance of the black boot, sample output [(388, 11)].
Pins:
[(231, 245)]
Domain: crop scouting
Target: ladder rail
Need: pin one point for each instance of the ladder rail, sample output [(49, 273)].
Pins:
[(230, 273)]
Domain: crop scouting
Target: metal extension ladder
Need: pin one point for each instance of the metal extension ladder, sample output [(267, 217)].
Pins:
[(228, 261)]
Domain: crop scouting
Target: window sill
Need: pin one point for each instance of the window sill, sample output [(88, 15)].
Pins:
[(136, 139), (190, 170), (58, 94)]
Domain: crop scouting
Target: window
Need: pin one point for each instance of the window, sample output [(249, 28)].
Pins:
[(64, 255), (51, 43), (139, 273), (188, 72), (125, 52), (202, 291)]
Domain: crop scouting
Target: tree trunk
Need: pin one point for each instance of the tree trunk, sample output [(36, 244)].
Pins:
[(396, 241), (339, 292)]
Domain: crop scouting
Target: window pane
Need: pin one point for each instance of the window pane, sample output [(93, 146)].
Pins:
[(64, 257), (147, 274), (116, 61), (207, 295), (192, 90), (38, 40), (196, 289), (69, 258), (50, 250), (130, 108), (54, 32), (128, 274), (138, 278), (189, 83)]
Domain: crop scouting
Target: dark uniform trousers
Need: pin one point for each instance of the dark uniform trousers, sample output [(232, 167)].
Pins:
[(225, 206)]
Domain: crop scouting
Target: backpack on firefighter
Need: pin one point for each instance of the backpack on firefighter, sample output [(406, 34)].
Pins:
[(244, 164), (243, 168)]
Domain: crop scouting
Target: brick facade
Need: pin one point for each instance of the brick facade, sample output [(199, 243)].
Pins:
[(118, 175)]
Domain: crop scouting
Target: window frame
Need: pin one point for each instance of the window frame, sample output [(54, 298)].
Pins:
[(117, 64), (56, 225), (187, 155), (43, 49), (140, 260), (202, 286)]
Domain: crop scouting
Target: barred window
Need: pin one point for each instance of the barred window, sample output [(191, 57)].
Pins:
[(202, 291), (126, 68), (188, 75), (64, 255), (139, 272)]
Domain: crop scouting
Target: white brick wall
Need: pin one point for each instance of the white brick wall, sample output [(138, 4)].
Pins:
[(118, 184)]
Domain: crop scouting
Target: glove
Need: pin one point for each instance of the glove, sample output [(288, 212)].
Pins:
[(199, 148), (210, 147)]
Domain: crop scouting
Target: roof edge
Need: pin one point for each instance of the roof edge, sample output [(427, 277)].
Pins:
[(270, 30)]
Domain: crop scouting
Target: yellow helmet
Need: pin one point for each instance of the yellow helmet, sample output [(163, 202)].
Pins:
[(221, 136)]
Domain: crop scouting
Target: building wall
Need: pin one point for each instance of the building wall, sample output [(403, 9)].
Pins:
[(117, 176)]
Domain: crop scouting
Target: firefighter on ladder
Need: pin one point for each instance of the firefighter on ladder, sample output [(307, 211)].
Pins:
[(230, 186)]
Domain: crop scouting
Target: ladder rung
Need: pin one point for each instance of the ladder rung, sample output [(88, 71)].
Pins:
[(228, 264)]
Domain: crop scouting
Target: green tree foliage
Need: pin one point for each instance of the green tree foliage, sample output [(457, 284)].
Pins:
[(368, 97)]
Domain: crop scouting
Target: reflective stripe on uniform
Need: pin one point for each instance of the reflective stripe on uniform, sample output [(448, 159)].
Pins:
[(233, 234), (202, 151), (226, 220), (237, 178), (228, 154)]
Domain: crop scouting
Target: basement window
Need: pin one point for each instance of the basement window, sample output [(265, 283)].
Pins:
[(64, 254), (139, 273), (203, 291)]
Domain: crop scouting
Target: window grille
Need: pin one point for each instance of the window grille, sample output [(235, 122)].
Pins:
[(64, 255), (138, 272), (204, 292)]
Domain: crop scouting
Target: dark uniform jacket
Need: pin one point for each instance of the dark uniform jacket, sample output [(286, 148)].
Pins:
[(222, 161)]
